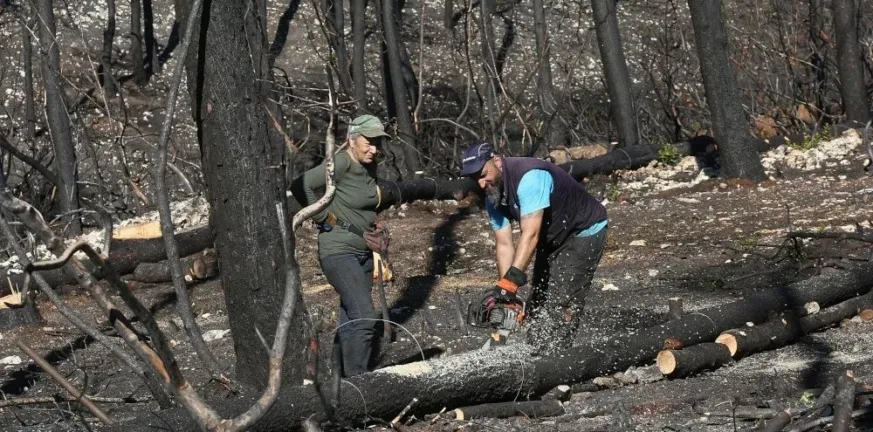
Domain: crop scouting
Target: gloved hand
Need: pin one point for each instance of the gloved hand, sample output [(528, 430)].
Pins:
[(505, 289), (378, 239)]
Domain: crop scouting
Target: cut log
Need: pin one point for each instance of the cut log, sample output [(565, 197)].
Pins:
[(532, 409), (200, 266), (18, 310), (499, 375), (674, 308), (691, 360), (125, 255), (786, 329), (844, 402)]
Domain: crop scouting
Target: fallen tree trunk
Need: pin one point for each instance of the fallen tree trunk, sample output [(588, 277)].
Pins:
[(689, 361), (844, 402), (124, 255), (532, 409), (199, 266), (784, 330), (499, 375)]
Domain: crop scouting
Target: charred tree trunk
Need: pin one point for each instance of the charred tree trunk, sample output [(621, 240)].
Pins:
[(729, 124), (476, 377), (615, 71), (818, 59), (489, 66), (239, 163), (151, 64), (27, 22), (359, 17), (137, 65), (16, 315), (405, 131), (449, 14), (850, 61), (56, 114), (531, 409), (107, 79), (548, 105), (336, 28), (196, 267), (172, 43)]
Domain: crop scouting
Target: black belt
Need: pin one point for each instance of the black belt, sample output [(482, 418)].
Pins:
[(342, 224)]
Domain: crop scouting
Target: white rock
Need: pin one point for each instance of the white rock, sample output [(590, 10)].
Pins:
[(11, 360), (653, 272), (212, 335), (687, 200), (638, 243), (609, 287)]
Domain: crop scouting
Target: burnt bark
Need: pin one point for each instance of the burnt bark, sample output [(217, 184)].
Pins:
[(150, 63), (14, 316), (27, 22), (335, 16), (196, 267), (548, 105), (104, 71), (358, 15), (231, 87), (137, 59), (489, 66), (818, 59), (58, 119), (844, 402), (531, 409), (850, 62), (618, 82), (405, 132), (477, 377), (729, 123)]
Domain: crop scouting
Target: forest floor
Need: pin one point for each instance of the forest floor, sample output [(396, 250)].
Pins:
[(707, 243)]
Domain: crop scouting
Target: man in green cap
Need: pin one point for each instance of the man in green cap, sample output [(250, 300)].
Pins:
[(348, 236)]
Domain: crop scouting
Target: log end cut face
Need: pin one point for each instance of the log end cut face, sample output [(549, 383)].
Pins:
[(728, 340)]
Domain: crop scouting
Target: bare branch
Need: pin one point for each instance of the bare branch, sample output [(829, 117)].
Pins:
[(183, 304)]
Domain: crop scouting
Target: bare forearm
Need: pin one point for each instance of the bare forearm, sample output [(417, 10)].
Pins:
[(505, 254), (524, 252)]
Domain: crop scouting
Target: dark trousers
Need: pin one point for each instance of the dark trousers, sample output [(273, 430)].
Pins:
[(352, 277), (561, 282)]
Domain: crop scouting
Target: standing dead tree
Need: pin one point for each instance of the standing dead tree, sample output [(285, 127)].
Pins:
[(729, 123), (56, 114), (850, 61), (104, 70), (548, 104), (615, 71)]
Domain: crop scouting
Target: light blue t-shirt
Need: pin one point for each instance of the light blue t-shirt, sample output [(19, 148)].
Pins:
[(534, 194)]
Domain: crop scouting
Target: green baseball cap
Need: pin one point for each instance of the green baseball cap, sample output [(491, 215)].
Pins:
[(368, 126)]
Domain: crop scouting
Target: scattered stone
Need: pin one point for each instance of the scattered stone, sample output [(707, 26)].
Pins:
[(212, 335), (609, 287), (11, 360), (637, 243), (606, 382)]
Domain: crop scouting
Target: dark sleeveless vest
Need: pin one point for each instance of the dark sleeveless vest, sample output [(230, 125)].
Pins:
[(571, 210)]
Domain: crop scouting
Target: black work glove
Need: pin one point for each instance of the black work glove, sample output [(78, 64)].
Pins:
[(505, 289)]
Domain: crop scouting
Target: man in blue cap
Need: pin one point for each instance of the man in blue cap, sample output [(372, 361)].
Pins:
[(561, 224)]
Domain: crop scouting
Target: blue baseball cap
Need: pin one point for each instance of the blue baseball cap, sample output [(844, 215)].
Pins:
[(474, 158)]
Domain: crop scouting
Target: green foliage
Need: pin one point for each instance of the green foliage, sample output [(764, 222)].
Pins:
[(811, 141), (669, 154)]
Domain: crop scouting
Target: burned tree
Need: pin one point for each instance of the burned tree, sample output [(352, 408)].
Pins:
[(27, 21), (729, 123), (150, 63), (240, 162), (104, 71), (618, 82), (140, 75), (334, 16), (358, 12), (548, 105), (56, 114), (405, 131), (850, 62)]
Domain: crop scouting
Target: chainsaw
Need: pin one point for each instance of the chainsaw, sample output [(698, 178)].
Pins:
[(502, 318)]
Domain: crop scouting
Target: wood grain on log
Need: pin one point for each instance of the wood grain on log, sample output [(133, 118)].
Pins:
[(499, 375), (779, 421), (688, 361)]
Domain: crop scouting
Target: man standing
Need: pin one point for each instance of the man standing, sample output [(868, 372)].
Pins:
[(560, 222)]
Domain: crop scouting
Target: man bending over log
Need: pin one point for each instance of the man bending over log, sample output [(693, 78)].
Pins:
[(560, 222)]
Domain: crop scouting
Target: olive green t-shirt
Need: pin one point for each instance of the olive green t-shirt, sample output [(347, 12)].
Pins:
[(354, 202)]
